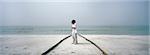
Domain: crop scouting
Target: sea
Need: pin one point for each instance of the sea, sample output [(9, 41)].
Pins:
[(87, 30)]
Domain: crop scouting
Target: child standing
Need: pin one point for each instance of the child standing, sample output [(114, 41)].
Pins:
[(74, 32)]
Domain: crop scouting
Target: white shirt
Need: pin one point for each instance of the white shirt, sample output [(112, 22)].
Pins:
[(74, 26)]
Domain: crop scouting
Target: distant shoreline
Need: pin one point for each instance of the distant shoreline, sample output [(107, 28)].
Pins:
[(96, 30)]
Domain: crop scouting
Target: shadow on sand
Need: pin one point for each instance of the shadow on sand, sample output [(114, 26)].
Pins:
[(83, 44)]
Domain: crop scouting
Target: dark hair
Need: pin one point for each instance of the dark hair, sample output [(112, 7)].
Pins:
[(73, 21)]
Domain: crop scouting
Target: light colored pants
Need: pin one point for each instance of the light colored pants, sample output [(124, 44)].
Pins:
[(74, 35)]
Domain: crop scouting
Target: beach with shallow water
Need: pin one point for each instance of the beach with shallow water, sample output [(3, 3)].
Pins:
[(35, 40)]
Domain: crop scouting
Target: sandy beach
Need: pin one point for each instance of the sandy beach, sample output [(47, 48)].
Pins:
[(37, 44)]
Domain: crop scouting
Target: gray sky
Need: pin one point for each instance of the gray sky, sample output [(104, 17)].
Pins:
[(61, 12)]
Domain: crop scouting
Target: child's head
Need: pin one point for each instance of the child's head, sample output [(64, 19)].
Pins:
[(73, 21)]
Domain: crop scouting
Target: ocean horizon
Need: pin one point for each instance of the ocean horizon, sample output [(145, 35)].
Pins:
[(98, 30)]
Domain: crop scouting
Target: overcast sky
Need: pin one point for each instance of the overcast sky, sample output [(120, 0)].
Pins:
[(61, 12)]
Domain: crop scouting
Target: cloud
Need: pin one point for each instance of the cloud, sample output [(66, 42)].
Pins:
[(99, 13)]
